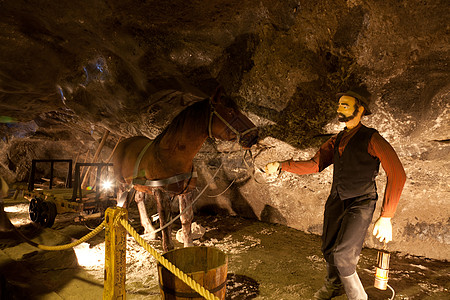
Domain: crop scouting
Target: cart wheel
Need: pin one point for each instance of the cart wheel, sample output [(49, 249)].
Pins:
[(42, 212), (34, 209), (49, 214)]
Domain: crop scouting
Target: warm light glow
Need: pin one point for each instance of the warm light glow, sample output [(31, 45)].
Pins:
[(16, 208), (107, 185), (18, 214), (88, 257)]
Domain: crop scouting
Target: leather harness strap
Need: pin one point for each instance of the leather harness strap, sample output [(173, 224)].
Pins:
[(138, 160), (165, 181), (238, 134)]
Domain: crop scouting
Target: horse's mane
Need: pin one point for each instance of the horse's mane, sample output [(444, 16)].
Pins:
[(194, 117)]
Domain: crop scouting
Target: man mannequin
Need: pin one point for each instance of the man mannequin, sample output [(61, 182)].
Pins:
[(356, 153)]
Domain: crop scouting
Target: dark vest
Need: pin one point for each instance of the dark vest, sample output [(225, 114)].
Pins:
[(355, 171)]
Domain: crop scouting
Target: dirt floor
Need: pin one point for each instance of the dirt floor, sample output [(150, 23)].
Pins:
[(265, 261)]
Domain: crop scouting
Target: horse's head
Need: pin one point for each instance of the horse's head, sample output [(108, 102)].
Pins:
[(228, 123)]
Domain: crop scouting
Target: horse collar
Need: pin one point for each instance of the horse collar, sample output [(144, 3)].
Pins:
[(157, 182)]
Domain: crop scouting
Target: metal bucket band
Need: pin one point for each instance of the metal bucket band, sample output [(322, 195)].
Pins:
[(194, 294)]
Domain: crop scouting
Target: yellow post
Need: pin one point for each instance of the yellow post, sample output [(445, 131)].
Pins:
[(115, 254)]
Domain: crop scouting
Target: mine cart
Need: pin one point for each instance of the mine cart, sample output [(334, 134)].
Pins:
[(46, 203)]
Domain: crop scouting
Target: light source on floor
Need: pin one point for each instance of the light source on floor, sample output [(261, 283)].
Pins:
[(87, 256)]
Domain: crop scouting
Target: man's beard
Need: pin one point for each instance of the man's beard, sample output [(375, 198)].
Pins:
[(342, 118), (345, 119)]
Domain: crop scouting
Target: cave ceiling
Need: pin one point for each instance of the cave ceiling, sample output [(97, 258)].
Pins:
[(72, 69)]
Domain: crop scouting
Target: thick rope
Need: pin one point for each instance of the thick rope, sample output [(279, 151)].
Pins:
[(76, 243), (59, 247), (167, 264)]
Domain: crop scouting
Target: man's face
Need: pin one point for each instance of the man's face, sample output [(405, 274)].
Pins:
[(346, 109)]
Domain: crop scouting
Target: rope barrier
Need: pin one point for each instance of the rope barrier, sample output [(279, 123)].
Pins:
[(59, 247), (161, 259), (76, 243), (167, 264)]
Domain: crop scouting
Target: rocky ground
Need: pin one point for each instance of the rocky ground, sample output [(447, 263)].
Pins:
[(74, 71), (265, 261)]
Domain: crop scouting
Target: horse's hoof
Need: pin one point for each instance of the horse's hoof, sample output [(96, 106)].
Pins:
[(232, 213)]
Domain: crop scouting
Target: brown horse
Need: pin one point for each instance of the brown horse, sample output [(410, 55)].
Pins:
[(163, 167)]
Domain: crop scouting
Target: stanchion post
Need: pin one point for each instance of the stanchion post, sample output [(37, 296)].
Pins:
[(115, 254)]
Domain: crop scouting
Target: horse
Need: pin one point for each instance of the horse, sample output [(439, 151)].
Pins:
[(163, 167)]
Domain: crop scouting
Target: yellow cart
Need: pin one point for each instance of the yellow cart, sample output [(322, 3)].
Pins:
[(45, 204)]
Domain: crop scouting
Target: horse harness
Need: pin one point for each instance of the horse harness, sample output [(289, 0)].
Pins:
[(153, 183), (238, 134)]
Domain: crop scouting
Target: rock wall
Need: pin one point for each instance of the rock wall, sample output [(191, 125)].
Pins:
[(402, 52), (73, 70)]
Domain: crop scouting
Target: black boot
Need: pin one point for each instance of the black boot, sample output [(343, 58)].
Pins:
[(353, 287), (332, 286)]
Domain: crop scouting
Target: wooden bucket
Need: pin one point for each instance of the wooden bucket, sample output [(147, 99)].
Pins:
[(208, 266)]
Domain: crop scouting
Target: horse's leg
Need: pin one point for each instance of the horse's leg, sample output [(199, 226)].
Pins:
[(145, 221), (163, 205), (186, 218), (122, 195)]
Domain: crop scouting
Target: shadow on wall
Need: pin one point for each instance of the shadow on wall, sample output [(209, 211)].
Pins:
[(271, 214)]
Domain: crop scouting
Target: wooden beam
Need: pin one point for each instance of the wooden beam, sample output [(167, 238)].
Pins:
[(96, 155)]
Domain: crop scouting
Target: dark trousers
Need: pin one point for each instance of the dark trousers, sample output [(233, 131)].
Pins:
[(344, 229)]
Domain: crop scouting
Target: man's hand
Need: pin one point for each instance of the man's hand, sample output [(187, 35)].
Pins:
[(272, 167), (382, 229)]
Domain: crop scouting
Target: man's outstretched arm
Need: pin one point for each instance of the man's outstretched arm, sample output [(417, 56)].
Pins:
[(396, 178)]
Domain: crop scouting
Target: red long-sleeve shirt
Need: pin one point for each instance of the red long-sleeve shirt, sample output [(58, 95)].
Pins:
[(378, 147)]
